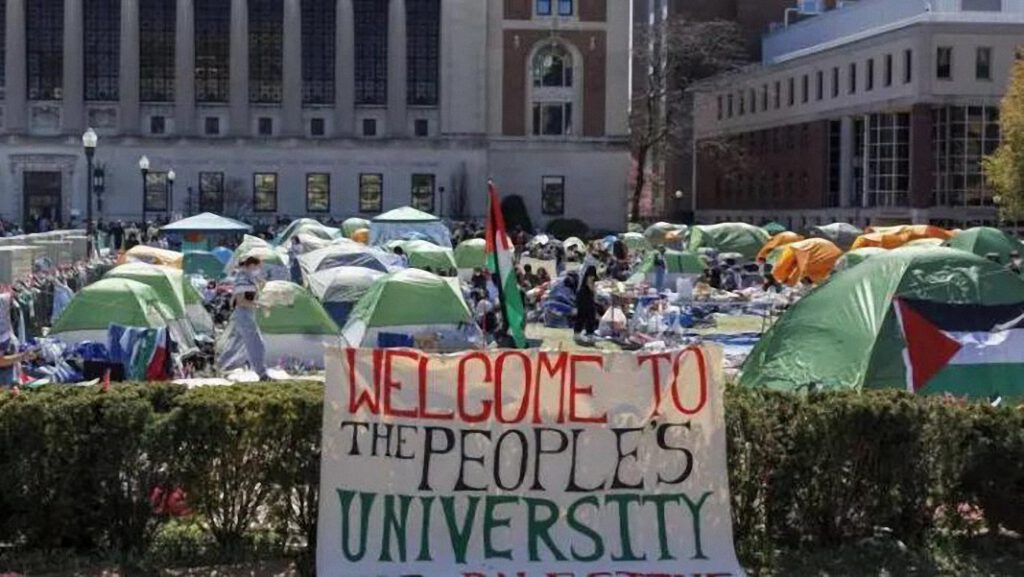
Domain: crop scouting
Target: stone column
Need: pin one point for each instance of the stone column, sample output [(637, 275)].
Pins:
[(73, 117), (185, 69), (397, 106), (16, 89), (129, 73), (292, 73), (344, 69), (846, 154), (239, 99)]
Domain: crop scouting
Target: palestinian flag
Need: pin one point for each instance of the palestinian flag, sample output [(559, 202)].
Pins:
[(963, 349), (500, 256)]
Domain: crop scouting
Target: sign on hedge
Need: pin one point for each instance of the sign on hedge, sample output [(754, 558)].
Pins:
[(524, 464)]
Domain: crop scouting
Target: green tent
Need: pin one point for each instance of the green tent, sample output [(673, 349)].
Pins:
[(168, 284), (845, 334), (857, 256), (634, 241), (292, 310), (351, 225), (738, 237), (773, 228), (423, 254), (395, 303), (676, 263), (656, 233), (842, 234), (112, 300), (471, 253), (984, 240), (203, 263)]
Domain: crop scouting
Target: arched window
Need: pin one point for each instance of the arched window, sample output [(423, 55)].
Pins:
[(553, 91)]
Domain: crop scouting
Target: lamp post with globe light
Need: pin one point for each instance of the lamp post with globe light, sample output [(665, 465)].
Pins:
[(89, 142), (144, 168), (170, 202)]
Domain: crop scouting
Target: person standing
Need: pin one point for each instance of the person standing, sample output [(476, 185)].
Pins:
[(10, 358), (294, 251), (586, 307), (660, 268), (245, 338)]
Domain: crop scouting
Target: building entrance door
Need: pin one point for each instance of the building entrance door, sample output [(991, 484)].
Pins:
[(42, 198)]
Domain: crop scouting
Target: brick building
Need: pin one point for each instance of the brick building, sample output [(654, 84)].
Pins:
[(873, 113)]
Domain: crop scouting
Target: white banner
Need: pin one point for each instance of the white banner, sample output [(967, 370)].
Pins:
[(524, 464)]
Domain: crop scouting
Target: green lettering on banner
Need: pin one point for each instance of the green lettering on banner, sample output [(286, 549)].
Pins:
[(659, 502), (394, 524), (583, 529), (365, 502), (459, 535), (427, 504), (538, 529), (491, 522), (623, 501), (695, 512)]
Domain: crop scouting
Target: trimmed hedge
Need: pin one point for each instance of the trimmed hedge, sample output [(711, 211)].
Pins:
[(79, 469)]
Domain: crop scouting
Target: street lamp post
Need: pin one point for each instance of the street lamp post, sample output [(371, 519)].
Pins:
[(144, 168), (89, 141), (170, 201)]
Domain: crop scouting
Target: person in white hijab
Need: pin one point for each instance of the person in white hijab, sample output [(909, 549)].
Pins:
[(10, 358)]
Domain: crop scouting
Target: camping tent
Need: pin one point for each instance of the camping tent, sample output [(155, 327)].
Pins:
[(110, 301), (339, 289), (223, 254), (813, 258), (984, 241), (295, 328), (203, 263), (779, 240), (737, 237), (634, 241), (677, 264), (471, 254), (574, 242), (657, 234), (392, 313), (208, 223), (774, 228), (307, 226), (275, 260), (152, 255), (845, 334), (423, 255), (407, 223), (841, 234), (348, 254), (175, 291), (897, 236), (351, 225), (855, 257)]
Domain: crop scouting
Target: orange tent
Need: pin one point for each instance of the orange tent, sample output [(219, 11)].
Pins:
[(781, 239), (813, 258), (889, 237), (152, 255)]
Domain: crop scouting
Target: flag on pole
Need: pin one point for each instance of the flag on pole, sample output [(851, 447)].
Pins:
[(500, 261)]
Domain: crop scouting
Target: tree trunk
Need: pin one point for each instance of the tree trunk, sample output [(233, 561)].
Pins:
[(638, 185)]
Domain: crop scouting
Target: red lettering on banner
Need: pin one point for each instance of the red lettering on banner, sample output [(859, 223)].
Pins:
[(424, 410), (702, 378), (357, 399), (655, 377), (393, 385), (575, 390), (524, 405), (485, 412), (551, 370)]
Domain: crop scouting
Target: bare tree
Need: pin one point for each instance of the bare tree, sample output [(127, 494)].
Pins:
[(676, 55)]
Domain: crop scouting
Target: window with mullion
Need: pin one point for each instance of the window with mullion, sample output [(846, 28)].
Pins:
[(371, 25), (264, 192), (156, 50), (211, 192), (213, 50), (266, 23), (3, 43), (318, 192), (371, 192), (423, 192), (318, 37), (102, 38), (44, 48), (423, 50), (156, 192)]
